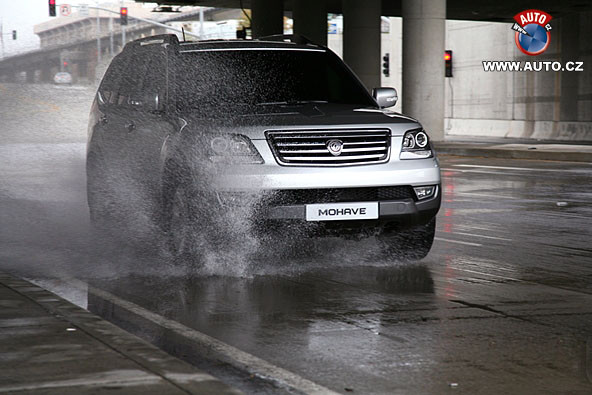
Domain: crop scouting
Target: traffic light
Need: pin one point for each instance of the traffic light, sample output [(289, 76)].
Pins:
[(123, 15), (448, 63), (386, 65), (14, 34), (52, 5)]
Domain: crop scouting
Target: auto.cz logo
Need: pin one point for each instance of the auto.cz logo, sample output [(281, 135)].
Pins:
[(516, 65), (533, 31)]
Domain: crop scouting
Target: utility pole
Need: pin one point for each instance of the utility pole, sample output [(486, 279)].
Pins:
[(98, 37), (111, 35), (1, 39), (122, 27), (201, 23)]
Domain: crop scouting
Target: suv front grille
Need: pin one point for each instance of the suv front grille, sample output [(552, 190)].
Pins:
[(310, 147), (337, 195)]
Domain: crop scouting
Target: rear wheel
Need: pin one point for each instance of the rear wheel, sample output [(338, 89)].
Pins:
[(408, 243)]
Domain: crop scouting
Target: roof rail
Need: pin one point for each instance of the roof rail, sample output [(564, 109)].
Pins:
[(157, 39), (293, 38)]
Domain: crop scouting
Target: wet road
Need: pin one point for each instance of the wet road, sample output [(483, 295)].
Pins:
[(502, 304)]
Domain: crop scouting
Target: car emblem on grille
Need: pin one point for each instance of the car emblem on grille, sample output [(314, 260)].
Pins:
[(335, 146)]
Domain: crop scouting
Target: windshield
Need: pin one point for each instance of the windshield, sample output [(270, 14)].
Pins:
[(265, 77)]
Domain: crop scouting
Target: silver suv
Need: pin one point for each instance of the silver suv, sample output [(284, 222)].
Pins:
[(193, 129)]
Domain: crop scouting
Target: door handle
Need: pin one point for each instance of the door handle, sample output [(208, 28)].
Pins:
[(130, 126), (103, 119)]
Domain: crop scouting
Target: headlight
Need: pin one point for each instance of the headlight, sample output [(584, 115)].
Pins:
[(233, 149), (421, 139), (416, 145)]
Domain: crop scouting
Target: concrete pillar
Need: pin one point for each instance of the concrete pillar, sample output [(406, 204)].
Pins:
[(30, 76), (361, 39), (46, 74), (310, 20), (267, 17), (424, 31), (570, 44)]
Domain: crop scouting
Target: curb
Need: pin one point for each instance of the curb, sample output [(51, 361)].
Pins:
[(181, 374), (504, 153)]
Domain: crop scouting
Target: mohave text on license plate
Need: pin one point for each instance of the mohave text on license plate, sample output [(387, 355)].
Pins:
[(341, 211)]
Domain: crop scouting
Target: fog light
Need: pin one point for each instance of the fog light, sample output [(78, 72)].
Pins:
[(237, 199), (425, 192)]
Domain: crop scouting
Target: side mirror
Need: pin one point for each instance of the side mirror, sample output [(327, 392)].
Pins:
[(385, 97)]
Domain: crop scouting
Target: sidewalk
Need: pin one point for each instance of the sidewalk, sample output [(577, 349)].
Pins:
[(49, 345), (517, 149)]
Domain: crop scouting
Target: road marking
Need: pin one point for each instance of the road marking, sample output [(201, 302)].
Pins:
[(471, 171), (459, 242), (497, 167), (227, 353), (484, 195), (483, 236), (517, 168)]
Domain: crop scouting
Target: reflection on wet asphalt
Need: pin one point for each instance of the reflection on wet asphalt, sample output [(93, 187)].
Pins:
[(502, 304)]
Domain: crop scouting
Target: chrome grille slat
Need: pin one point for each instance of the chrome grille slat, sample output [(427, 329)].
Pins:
[(332, 136), (297, 144), (303, 147), (365, 143), (322, 151), (337, 158)]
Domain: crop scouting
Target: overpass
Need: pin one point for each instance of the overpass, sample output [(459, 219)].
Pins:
[(70, 44)]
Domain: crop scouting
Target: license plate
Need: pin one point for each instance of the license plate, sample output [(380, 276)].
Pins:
[(341, 211)]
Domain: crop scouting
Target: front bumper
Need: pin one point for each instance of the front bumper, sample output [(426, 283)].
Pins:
[(268, 215), (404, 211), (261, 179), (254, 178)]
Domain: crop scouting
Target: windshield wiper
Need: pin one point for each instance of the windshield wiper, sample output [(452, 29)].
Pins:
[(291, 102)]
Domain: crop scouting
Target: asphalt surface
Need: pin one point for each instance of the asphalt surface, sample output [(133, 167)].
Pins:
[(519, 149), (502, 304)]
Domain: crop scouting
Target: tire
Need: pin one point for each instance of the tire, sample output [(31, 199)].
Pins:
[(411, 243), (101, 218), (186, 222), (179, 223)]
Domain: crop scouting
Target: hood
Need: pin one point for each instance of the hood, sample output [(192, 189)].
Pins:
[(253, 121)]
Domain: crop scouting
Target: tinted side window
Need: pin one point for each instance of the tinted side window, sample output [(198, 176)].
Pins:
[(143, 85), (111, 81), (136, 81)]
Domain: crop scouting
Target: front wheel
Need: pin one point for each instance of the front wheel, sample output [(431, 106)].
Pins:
[(411, 243), (180, 227), (99, 197)]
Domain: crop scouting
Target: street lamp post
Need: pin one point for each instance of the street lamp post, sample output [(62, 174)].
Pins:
[(98, 37)]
